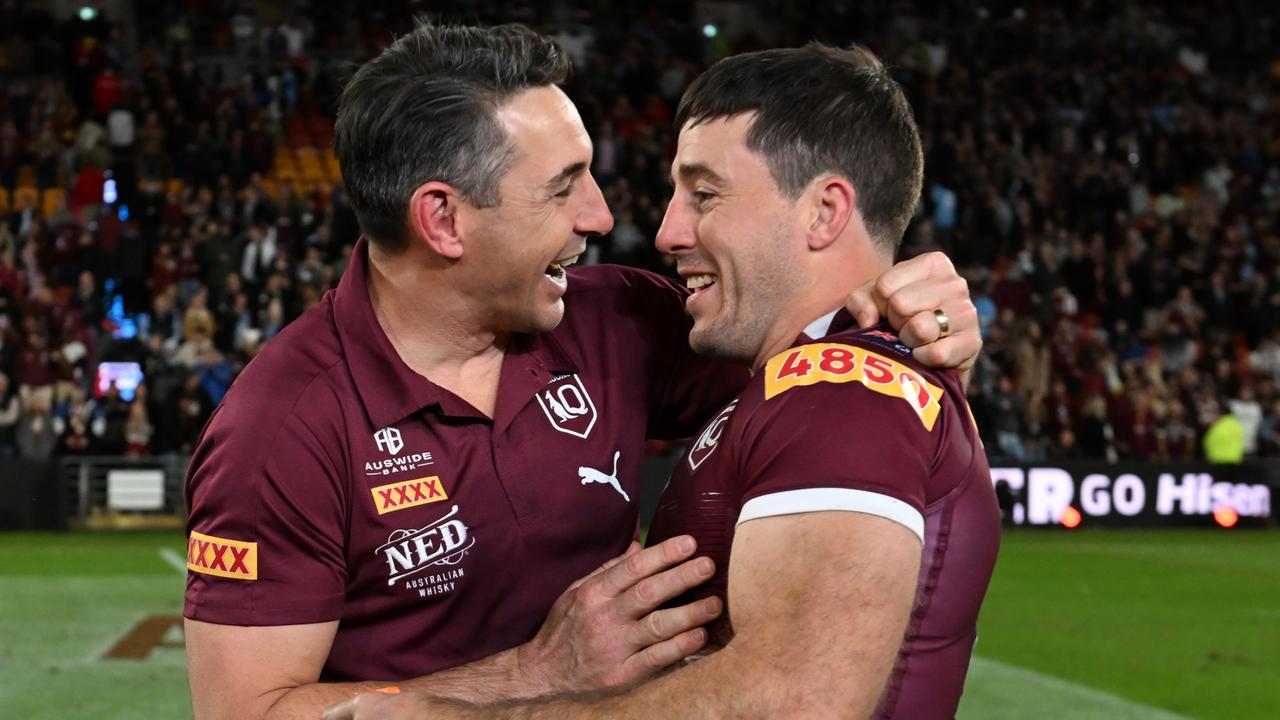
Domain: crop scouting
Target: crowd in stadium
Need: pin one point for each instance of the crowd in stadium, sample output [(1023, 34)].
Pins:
[(1109, 186)]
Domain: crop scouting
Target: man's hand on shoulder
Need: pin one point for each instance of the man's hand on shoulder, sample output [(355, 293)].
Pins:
[(908, 294)]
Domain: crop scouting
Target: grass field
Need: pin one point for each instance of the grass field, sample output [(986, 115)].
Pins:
[(1091, 625)]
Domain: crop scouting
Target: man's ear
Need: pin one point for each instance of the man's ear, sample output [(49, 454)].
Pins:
[(834, 201), (433, 216)]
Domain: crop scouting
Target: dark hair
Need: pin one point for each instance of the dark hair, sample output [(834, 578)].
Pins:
[(424, 110), (819, 110)]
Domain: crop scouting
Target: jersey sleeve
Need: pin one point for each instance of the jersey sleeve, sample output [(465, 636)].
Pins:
[(857, 434), (266, 524), (685, 388)]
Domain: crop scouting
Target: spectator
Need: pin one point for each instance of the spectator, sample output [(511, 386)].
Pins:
[(1033, 372), (10, 413), (1224, 441), (82, 411), (36, 438), (1269, 432), (1008, 412), (1248, 412), (138, 431), (1266, 358), (1176, 438), (198, 321), (1097, 437)]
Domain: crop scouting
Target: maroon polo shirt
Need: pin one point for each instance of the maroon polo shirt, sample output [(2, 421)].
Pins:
[(334, 483), (853, 423)]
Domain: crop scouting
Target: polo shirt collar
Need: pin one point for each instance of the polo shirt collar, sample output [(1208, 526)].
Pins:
[(837, 320), (390, 390), (818, 328)]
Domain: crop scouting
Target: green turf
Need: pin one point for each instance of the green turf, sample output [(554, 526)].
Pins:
[(65, 599), (1188, 621), (120, 553), (1088, 626)]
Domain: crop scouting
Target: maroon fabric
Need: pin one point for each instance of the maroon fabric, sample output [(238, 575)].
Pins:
[(843, 435), (498, 518)]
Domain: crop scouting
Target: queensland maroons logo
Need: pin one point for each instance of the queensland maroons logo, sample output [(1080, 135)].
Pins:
[(709, 440), (568, 406)]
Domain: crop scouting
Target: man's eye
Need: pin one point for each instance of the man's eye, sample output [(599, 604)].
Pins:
[(565, 192), (702, 196)]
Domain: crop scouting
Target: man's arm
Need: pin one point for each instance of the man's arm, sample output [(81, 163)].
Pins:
[(271, 672), (820, 606), (603, 631)]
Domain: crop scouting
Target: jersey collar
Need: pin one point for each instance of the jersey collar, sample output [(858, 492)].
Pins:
[(390, 391), (837, 320)]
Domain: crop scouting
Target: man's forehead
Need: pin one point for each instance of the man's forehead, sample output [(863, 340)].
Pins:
[(714, 148), (543, 119)]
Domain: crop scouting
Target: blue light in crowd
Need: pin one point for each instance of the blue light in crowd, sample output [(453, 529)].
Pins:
[(710, 30), (109, 194), (126, 326), (123, 213)]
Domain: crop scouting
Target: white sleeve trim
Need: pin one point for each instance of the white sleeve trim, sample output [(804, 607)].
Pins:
[(790, 502)]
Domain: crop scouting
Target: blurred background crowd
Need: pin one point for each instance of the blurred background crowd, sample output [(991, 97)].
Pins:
[(1107, 180)]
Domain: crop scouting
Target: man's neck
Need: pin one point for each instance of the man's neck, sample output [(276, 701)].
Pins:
[(434, 330), (795, 319), (828, 288)]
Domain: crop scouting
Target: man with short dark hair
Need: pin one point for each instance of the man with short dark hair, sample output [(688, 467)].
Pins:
[(844, 494), (406, 480)]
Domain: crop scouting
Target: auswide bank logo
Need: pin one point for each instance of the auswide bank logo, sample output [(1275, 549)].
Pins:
[(389, 440)]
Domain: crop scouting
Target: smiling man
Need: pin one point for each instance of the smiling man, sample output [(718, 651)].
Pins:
[(844, 495), (429, 478)]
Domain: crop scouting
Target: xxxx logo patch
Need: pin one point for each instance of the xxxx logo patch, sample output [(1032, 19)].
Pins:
[(233, 559), (407, 494)]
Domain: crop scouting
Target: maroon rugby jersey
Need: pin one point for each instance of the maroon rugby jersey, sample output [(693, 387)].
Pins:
[(334, 483), (852, 422)]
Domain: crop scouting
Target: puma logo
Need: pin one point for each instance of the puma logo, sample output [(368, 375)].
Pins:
[(591, 475)]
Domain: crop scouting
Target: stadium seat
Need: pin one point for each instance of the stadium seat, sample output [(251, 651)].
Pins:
[(26, 195), (309, 164), (285, 167), (50, 199), (332, 171)]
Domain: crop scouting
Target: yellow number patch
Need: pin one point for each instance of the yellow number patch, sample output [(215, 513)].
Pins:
[(835, 363)]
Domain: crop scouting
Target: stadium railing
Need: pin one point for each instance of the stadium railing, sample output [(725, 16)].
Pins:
[(116, 492)]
